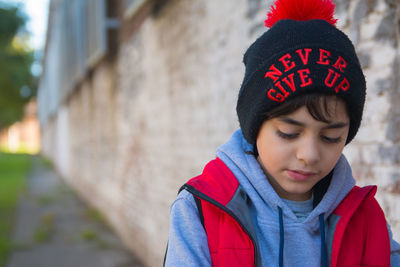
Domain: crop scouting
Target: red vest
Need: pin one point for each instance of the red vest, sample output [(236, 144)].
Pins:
[(359, 232)]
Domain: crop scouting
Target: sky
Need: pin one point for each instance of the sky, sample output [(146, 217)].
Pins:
[(37, 11)]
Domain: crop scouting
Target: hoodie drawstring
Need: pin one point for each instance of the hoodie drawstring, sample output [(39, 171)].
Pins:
[(281, 237), (323, 240), (324, 257)]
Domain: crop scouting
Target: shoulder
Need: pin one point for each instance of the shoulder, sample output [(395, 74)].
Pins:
[(369, 206), (357, 200), (217, 182), (184, 215), (360, 208), (368, 216), (187, 239), (184, 200)]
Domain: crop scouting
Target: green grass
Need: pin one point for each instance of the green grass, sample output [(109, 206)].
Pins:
[(22, 149), (95, 215), (13, 170), (90, 235), (46, 161), (44, 200), (45, 230)]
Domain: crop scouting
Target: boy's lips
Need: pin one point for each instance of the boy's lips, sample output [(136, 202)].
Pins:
[(300, 175)]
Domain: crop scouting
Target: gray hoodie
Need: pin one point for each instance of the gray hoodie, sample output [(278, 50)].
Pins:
[(187, 245)]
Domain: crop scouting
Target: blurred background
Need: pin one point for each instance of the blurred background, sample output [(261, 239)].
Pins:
[(125, 100)]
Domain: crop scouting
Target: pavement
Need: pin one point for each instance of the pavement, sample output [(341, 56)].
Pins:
[(54, 228)]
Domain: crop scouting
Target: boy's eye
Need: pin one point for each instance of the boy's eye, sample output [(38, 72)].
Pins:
[(290, 136), (286, 135), (331, 140)]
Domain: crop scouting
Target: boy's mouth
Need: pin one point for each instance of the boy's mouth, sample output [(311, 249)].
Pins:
[(300, 175)]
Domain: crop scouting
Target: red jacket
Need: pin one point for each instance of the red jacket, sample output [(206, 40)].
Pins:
[(358, 231)]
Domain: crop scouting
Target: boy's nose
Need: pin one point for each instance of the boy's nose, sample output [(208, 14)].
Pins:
[(308, 151)]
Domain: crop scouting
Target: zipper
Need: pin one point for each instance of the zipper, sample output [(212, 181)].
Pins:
[(204, 197)]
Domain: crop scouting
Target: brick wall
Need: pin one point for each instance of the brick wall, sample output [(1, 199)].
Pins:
[(375, 155), (141, 125)]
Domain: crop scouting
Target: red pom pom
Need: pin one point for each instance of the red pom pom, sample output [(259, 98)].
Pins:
[(301, 10)]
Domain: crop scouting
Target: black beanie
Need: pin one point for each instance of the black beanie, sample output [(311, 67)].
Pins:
[(296, 57)]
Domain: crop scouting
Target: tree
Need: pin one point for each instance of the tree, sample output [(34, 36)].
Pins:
[(17, 83)]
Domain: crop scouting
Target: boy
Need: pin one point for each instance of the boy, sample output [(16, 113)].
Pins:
[(280, 192)]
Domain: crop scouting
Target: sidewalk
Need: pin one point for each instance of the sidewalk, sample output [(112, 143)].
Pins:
[(54, 228)]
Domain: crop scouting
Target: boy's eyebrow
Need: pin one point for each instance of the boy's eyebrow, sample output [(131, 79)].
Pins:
[(291, 121), (336, 125)]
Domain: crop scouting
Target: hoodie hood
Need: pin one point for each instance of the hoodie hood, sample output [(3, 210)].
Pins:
[(237, 155)]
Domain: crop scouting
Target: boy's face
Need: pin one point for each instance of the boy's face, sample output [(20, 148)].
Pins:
[(296, 151)]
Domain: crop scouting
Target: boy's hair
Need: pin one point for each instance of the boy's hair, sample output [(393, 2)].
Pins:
[(316, 104)]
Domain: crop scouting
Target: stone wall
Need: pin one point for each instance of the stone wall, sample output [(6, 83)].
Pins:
[(139, 126)]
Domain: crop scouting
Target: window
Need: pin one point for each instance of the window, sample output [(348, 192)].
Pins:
[(77, 40), (132, 7), (95, 31)]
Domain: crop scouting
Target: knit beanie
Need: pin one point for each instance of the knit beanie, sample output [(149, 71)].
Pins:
[(302, 52)]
